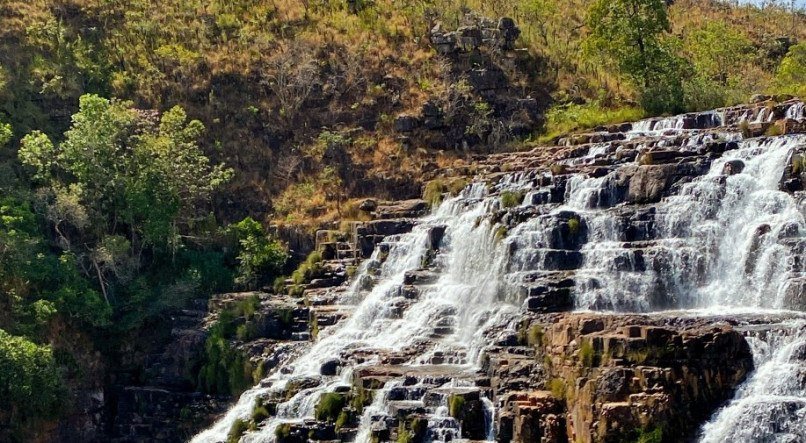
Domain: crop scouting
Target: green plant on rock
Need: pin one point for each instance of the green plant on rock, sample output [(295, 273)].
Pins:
[(510, 199), (238, 429), (501, 233), (773, 131), (574, 225), (433, 191), (558, 388), (310, 269), (416, 431), (361, 398), (260, 412), (282, 432), (330, 406), (744, 128), (456, 405), (587, 354), (536, 335), (344, 419)]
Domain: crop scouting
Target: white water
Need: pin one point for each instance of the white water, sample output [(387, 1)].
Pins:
[(771, 405), (716, 248)]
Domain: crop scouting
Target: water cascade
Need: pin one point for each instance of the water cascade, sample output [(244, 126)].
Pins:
[(678, 217)]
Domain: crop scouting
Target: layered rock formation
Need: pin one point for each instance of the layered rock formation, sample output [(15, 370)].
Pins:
[(462, 324)]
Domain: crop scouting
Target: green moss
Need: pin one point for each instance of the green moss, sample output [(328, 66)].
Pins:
[(433, 191), (536, 336), (260, 412), (501, 233), (573, 225), (282, 431), (456, 404), (586, 354), (510, 199), (330, 406), (773, 131), (238, 429), (558, 388)]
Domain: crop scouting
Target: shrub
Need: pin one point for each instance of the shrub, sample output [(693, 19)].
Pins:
[(558, 388), (536, 335), (510, 199), (433, 192), (238, 429), (330, 406), (30, 380), (456, 405), (260, 257), (586, 354)]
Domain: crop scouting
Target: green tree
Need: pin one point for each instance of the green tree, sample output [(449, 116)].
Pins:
[(260, 257), (5, 134), (122, 182), (791, 75), (718, 54), (31, 386), (631, 35)]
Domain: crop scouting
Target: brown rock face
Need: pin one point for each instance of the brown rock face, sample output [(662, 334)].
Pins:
[(616, 376)]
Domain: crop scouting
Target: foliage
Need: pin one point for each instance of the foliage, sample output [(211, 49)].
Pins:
[(237, 430), (791, 75), (308, 270), (562, 119), (330, 406), (456, 405), (31, 386), (260, 257), (631, 35), (586, 354), (558, 388), (510, 199), (719, 54), (225, 369)]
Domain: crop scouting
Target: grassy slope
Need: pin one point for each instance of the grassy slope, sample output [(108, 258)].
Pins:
[(267, 77)]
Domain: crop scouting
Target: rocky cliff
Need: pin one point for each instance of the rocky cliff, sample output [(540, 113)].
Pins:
[(623, 285)]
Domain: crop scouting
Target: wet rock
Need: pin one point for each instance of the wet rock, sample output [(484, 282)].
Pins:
[(330, 367), (733, 167)]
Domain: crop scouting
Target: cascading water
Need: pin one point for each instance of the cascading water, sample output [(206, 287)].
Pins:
[(771, 406), (719, 243)]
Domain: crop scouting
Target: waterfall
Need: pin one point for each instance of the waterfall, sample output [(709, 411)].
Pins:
[(771, 405), (718, 243)]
